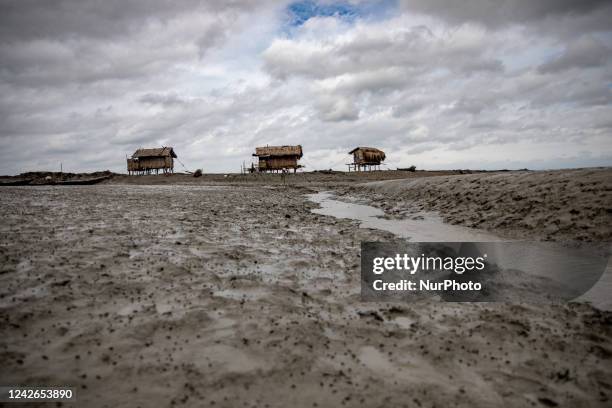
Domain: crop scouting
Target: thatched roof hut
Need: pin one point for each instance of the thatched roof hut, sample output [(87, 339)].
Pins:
[(366, 158), (155, 152), (277, 158), (279, 151), (144, 161)]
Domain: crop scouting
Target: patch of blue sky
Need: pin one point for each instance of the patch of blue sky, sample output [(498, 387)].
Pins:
[(301, 11)]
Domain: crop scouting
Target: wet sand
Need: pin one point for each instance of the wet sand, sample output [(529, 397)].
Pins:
[(551, 205), (239, 295)]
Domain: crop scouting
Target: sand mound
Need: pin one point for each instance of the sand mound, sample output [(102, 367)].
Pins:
[(554, 205)]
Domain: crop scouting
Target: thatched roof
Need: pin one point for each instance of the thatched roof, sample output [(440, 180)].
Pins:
[(157, 152), (367, 149), (277, 151), (367, 155)]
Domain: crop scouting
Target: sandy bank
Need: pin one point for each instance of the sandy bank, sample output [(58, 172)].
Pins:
[(552, 205)]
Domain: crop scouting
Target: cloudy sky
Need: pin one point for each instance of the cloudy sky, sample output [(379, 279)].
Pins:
[(438, 84)]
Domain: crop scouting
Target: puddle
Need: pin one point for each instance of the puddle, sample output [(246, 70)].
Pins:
[(431, 228)]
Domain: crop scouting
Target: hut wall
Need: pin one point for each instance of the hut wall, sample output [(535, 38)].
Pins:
[(132, 165), (368, 157), (152, 163), (278, 163)]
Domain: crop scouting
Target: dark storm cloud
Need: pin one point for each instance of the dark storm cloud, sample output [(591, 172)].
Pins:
[(584, 52), (62, 42), (407, 107), (34, 19), (337, 109), (499, 13), (470, 105), (162, 99)]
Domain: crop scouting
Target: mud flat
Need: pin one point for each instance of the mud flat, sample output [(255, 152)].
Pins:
[(228, 295)]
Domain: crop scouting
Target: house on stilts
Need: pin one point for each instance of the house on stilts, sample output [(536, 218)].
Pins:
[(366, 159), (277, 159), (146, 161)]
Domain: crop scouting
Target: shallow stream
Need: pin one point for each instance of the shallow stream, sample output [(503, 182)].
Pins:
[(545, 260), (423, 227)]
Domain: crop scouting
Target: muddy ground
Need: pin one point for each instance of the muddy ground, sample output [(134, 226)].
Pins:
[(238, 295)]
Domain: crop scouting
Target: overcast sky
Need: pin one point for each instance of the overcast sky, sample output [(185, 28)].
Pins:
[(438, 84)]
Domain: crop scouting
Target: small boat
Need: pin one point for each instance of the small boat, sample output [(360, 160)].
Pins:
[(19, 182), (80, 182)]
